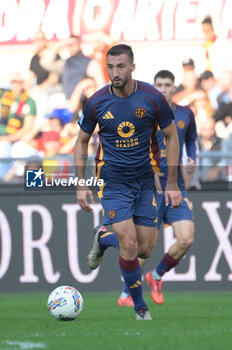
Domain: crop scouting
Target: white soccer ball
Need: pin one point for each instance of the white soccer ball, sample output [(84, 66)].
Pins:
[(65, 303)]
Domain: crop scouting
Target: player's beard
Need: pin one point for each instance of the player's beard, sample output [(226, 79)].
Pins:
[(119, 84)]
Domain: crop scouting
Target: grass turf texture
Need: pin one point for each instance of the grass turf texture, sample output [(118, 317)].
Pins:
[(186, 321)]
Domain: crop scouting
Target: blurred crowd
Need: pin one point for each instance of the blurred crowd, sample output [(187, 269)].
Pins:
[(39, 112)]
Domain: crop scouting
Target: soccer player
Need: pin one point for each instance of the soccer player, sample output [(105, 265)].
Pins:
[(181, 218), (128, 112)]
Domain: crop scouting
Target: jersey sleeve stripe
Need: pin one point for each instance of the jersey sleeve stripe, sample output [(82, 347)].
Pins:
[(99, 93), (153, 92), (99, 158)]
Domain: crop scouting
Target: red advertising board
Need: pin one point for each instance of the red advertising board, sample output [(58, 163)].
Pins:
[(131, 20)]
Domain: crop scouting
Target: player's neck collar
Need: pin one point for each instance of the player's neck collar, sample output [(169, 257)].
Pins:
[(172, 105), (134, 89)]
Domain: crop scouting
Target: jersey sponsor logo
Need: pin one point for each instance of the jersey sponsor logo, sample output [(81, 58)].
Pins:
[(127, 143), (126, 129), (140, 112), (112, 214), (108, 115), (181, 124)]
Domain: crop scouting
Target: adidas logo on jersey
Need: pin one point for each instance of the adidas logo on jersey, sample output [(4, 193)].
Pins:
[(108, 115)]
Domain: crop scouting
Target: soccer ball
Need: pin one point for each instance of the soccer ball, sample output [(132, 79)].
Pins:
[(65, 303)]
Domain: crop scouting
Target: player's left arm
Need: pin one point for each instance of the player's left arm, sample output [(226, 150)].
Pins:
[(172, 190)]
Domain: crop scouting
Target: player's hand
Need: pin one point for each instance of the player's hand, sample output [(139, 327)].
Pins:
[(190, 166), (157, 183), (82, 194), (173, 193)]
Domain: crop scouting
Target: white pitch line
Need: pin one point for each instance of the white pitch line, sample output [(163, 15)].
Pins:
[(25, 345)]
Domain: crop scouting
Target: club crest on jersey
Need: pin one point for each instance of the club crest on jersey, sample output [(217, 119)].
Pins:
[(181, 124), (140, 112), (126, 129), (112, 214)]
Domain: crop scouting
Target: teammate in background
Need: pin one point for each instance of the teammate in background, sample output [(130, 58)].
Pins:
[(181, 218), (127, 113)]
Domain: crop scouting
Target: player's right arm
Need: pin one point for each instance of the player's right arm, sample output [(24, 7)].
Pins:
[(87, 125), (80, 161), (168, 128)]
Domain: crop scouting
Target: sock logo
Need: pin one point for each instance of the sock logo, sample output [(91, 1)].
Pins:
[(136, 284), (106, 234)]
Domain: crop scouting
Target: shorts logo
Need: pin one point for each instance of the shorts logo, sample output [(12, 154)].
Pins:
[(112, 214), (126, 129), (140, 112), (34, 178), (181, 124)]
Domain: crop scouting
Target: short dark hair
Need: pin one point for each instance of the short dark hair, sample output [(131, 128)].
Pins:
[(208, 20), (188, 62), (164, 74), (73, 36), (121, 49), (207, 74)]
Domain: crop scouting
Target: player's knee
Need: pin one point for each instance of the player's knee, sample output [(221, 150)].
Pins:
[(130, 246), (186, 243), (145, 253)]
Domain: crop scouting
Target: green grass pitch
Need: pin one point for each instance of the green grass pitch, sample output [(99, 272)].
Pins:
[(186, 321)]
